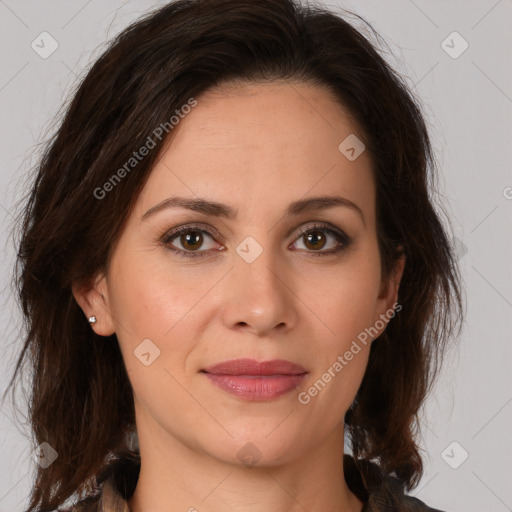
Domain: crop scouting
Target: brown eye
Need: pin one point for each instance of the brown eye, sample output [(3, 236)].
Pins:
[(315, 240), (191, 240)]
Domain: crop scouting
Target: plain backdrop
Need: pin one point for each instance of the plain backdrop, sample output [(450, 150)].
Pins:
[(466, 94)]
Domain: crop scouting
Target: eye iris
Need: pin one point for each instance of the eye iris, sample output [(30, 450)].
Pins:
[(314, 237), (191, 237)]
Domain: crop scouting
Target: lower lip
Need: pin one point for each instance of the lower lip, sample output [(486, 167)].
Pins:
[(256, 387)]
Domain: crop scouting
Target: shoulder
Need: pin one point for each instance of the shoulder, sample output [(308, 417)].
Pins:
[(378, 491), (390, 496), (106, 499), (112, 486)]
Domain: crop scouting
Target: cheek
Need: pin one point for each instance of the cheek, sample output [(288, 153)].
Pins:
[(144, 305), (342, 352), (150, 296), (151, 300), (346, 301), (169, 304), (153, 303)]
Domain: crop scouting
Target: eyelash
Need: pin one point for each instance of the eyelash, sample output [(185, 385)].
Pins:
[(340, 236)]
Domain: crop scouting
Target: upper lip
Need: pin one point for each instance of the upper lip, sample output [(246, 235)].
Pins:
[(253, 367)]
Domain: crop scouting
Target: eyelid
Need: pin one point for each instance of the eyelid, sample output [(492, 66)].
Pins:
[(320, 225), (210, 230)]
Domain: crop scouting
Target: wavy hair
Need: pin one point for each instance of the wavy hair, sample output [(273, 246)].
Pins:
[(81, 401)]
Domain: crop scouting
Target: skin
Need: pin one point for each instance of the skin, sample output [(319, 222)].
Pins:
[(256, 148)]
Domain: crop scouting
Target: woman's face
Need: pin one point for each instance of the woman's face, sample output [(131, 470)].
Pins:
[(249, 285)]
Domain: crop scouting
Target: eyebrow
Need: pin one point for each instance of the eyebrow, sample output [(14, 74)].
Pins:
[(215, 209)]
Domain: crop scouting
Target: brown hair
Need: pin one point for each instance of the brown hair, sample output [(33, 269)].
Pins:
[(81, 400)]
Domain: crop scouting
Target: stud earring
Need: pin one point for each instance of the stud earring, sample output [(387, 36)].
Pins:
[(92, 319)]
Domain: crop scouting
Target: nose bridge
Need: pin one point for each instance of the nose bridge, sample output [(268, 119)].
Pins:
[(256, 265), (259, 296)]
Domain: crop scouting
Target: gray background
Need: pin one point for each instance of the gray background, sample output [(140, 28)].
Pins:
[(468, 105)]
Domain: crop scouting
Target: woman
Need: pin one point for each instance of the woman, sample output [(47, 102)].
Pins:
[(231, 266)]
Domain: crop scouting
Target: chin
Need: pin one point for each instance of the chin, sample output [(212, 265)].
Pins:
[(252, 445)]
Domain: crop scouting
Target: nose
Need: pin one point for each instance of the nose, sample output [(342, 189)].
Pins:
[(259, 295)]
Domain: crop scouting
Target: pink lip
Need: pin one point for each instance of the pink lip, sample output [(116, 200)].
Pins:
[(253, 367), (253, 380)]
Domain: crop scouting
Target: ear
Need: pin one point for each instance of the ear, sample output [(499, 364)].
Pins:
[(94, 301), (388, 294)]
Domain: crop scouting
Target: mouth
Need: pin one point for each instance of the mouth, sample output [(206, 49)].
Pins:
[(257, 381)]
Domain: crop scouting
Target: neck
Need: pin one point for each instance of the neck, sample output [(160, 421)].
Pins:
[(176, 477)]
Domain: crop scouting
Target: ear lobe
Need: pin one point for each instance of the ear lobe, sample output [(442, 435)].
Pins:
[(93, 300)]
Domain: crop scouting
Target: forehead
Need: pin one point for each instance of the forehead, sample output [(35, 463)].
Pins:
[(268, 115), (259, 144)]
